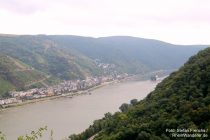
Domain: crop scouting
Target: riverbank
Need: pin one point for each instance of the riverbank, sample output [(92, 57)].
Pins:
[(80, 92), (69, 95), (72, 115)]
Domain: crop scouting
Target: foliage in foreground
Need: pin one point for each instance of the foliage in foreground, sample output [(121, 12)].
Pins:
[(181, 101), (35, 135)]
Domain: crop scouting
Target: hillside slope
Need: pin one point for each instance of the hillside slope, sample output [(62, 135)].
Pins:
[(72, 57), (15, 74), (45, 55), (130, 54), (45, 61), (181, 101)]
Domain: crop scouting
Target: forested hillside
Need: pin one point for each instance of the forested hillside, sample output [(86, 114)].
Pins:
[(44, 62), (51, 59), (181, 101), (14, 74), (131, 54)]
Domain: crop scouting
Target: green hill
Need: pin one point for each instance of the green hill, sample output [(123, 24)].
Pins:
[(181, 101), (14, 74), (130, 54), (45, 55), (46, 59), (67, 57), (56, 58)]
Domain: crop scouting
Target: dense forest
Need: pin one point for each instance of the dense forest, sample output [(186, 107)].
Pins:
[(179, 105)]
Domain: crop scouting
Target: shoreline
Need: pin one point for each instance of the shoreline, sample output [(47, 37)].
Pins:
[(84, 108), (71, 94), (67, 95)]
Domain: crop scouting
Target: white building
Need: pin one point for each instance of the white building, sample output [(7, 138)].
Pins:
[(1, 102)]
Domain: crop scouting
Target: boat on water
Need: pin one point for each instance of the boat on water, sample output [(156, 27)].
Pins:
[(154, 78)]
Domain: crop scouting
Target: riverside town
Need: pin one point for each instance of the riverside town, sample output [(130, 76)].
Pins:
[(69, 88)]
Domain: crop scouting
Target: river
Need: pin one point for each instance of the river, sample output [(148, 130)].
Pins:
[(71, 115)]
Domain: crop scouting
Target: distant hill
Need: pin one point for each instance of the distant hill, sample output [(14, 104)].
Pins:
[(131, 54), (181, 101), (71, 57), (42, 56)]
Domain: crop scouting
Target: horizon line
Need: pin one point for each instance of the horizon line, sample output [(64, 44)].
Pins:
[(96, 37)]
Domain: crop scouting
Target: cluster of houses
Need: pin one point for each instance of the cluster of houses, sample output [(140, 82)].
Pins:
[(107, 68), (70, 86), (9, 101)]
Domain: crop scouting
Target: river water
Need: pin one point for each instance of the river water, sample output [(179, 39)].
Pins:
[(71, 115)]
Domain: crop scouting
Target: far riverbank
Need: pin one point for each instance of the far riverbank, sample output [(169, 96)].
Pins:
[(69, 95), (72, 115), (141, 77)]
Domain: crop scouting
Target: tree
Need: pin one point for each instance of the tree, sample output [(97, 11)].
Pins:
[(34, 135), (2, 136), (108, 115), (134, 101), (124, 107), (143, 136)]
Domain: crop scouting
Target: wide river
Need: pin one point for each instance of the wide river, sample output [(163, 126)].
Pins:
[(71, 115)]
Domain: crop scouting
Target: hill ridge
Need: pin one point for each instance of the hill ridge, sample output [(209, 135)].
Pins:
[(74, 57)]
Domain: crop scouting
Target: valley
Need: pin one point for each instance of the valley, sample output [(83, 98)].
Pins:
[(41, 61)]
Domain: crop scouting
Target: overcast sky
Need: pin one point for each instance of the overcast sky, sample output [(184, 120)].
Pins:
[(174, 21)]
